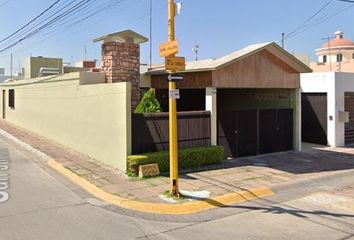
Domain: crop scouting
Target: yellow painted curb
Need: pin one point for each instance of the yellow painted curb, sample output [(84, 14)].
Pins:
[(160, 208)]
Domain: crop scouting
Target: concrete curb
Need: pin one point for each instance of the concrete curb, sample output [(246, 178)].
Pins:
[(25, 146), (168, 209)]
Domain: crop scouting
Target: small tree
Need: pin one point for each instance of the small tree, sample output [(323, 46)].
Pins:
[(149, 103)]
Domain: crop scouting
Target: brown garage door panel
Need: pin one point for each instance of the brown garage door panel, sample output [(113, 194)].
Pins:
[(226, 132), (285, 130), (314, 118), (246, 133), (275, 130), (349, 126), (252, 132)]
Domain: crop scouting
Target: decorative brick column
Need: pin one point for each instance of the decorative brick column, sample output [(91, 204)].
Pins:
[(121, 63)]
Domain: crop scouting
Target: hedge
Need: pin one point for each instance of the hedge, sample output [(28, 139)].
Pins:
[(188, 158)]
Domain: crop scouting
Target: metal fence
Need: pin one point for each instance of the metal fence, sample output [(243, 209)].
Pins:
[(150, 131)]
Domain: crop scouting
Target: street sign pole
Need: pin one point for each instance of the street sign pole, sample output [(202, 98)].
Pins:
[(172, 110)]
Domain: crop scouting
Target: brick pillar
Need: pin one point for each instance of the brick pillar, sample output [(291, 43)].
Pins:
[(121, 63)]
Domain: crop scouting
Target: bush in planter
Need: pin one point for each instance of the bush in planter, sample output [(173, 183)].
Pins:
[(188, 158)]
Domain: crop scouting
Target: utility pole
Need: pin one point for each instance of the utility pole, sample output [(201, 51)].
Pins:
[(11, 66), (172, 109), (150, 34), (283, 40)]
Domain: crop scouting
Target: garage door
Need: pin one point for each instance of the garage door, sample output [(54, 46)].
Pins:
[(237, 132), (349, 127), (314, 118), (252, 132), (275, 130)]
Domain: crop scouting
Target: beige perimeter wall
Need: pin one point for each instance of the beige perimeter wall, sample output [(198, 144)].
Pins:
[(91, 119)]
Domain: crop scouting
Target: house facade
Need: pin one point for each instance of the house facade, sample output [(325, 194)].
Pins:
[(253, 96)]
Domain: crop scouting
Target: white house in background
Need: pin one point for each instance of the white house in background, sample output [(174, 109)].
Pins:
[(328, 108)]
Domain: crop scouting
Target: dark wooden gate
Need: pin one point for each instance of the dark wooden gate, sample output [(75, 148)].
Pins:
[(150, 131), (349, 126), (314, 118), (246, 133), (252, 132), (275, 130), (237, 132)]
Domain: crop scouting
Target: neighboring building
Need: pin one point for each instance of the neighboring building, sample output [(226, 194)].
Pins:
[(4, 78), (82, 66), (253, 96), (328, 95), (86, 64), (328, 108), (2, 75), (337, 55), (42, 66)]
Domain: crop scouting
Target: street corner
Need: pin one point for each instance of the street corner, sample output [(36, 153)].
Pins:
[(191, 204)]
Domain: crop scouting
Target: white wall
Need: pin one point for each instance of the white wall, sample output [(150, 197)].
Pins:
[(335, 85), (211, 105)]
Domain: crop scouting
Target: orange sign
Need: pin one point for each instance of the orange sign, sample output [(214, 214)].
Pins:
[(168, 49), (175, 63)]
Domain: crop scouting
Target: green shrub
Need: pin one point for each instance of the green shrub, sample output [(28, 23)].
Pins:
[(188, 158), (149, 103)]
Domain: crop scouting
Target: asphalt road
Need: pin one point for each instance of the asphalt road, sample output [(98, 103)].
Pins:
[(43, 205)]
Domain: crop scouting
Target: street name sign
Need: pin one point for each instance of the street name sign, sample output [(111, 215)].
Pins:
[(175, 78), (169, 48), (175, 63)]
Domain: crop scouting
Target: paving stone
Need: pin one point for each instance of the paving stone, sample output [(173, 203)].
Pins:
[(101, 182), (82, 171), (142, 193)]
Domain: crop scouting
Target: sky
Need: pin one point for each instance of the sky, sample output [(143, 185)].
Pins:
[(218, 27)]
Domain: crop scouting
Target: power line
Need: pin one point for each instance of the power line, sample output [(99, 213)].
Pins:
[(69, 24), (321, 20), (51, 22), (29, 23), (312, 22), (55, 32), (4, 3), (309, 19), (72, 12), (26, 31)]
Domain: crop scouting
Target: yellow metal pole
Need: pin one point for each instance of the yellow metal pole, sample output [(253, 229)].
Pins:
[(172, 111)]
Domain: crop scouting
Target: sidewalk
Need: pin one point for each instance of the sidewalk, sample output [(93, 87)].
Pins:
[(231, 176)]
